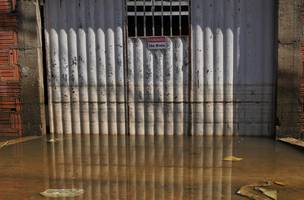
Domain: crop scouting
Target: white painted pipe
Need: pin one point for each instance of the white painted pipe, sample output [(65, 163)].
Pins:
[(120, 84), (83, 69), (139, 87), (111, 68), (55, 68), (64, 70), (92, 67), (149, 93), (168, 89), (209, 68), (101, 69), (158, 92), (131, 88), (229, 66), (73, 64), (178, 88), (219, 69)]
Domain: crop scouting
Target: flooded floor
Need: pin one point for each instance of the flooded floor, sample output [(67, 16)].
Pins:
[(143, 168)]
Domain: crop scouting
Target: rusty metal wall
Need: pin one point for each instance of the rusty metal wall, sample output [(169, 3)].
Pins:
[(10, 105), (226, 88)]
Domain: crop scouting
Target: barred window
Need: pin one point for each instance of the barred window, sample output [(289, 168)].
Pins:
[(158, 18)]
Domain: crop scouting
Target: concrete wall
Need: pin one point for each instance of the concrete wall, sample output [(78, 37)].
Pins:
[(289, 67), (30, 61)]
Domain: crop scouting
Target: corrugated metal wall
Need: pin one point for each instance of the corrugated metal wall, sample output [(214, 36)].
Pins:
[(225, 89), (10, 105)]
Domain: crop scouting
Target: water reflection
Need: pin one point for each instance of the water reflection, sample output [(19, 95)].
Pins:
[(113, 167)]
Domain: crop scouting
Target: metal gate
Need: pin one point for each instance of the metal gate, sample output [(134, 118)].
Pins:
[(158, 67), (105, 77)]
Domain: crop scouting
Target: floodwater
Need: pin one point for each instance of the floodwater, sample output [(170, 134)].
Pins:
[(144, 168)]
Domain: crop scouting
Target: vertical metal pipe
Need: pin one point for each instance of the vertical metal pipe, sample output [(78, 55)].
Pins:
[(198, 68), (73, 64), (101, 68), (92, 66), (237, 75), (148, 85), (219, 69), (55, 68), (119, 66), (111, 72), (131, 88), (49, 79), (139, 87), (83, 69), (209, 68), (229, 65), (158, 93), (153, 17), (168, 90), (162, 17), (64, 69), (178, 87)]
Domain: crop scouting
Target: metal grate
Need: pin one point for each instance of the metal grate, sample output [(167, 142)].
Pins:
[(158, 18)]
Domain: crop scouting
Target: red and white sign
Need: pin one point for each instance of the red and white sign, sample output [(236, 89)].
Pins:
[(157, 43)]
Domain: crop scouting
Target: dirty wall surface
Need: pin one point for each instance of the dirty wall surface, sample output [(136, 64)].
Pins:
[(219, 82)]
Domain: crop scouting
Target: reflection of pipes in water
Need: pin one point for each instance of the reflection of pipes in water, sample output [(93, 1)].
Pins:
[(143, 167)]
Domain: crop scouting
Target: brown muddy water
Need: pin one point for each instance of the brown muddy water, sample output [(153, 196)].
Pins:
[(144, 168)]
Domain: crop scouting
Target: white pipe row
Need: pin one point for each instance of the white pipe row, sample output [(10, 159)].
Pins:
[(229, 55)]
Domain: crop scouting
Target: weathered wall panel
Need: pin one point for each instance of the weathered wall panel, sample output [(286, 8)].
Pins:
[(232, 65), (228, 58), (85, 66)]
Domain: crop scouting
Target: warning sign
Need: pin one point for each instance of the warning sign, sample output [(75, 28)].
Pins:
[(157, 43)]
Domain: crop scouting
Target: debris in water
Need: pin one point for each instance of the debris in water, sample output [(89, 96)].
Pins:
[(57, 193), (279, 183), (53, 140), (232, 158), (252, 192), (3, 144), (292, 141), (268, 192)]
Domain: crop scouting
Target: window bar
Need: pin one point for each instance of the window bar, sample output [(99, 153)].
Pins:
[(180, 17), (145, 29), (162, 17), (171, 18), (153, 25), (135, 20)]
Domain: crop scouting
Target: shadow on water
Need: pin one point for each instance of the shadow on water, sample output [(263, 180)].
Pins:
[(165, 168)]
